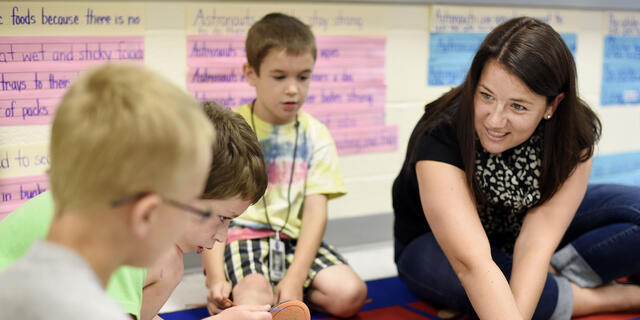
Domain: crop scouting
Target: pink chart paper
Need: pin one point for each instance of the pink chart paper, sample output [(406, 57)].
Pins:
[(16, 191), (347, 91), (36, 71)]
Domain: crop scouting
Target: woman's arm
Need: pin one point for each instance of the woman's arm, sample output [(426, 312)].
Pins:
[(450, 210), (541, 232)]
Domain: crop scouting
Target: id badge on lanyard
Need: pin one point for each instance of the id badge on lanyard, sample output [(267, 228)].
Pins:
[(276, 258)]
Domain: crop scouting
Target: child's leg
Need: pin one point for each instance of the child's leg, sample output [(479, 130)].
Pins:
[(246, 264), (253, 289), (337, 290), (332, 286)]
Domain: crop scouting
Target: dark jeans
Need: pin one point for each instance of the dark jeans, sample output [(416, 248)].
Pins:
[(601, 244)]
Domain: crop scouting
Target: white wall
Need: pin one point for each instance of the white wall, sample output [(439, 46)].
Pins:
[(369, 176)]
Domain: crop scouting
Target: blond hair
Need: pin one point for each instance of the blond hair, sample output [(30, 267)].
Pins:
[(281, 32), (238, 167), (121, 130)]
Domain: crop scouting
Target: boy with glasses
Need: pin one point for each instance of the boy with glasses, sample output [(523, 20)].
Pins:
[(119, 131), (236, 179)]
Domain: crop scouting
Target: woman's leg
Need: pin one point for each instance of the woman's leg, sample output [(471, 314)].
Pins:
[(424, 268), (601, 245), (602, 241), (609, 298)]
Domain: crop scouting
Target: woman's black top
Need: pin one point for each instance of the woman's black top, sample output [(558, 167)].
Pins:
[(509, 182)]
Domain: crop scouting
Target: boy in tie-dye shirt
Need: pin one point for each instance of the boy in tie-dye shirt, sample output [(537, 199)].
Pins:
[(275, 250)]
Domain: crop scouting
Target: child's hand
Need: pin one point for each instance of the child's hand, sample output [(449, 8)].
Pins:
[(218, 297), (243, 313), (288, 289)]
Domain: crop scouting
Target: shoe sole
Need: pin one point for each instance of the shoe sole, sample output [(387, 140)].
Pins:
[(290, 310)]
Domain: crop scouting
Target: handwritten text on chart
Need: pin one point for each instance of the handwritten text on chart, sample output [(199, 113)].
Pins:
[(347, 90), (36, 71), (215, 51), (351, 120), (623, 24), (209, 21), (621, 71), (27, 110), (59, 50), (346, 112), (19, 159), (16, 191), (451, 54), (320, 96), (20, 16), (367, 139), (445, 20), (226, 74), (329, 48), (20, 81)]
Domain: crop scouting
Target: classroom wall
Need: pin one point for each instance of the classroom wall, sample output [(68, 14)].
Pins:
[(369, 176)]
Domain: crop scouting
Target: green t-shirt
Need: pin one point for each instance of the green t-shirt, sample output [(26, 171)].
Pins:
[(31, 221)]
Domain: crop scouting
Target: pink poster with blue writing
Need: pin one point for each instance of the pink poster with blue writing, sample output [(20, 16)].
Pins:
[(36, 71), (16, 191), (347, 91)]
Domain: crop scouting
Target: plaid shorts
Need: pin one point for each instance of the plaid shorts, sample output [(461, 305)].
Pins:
[(244, 257)]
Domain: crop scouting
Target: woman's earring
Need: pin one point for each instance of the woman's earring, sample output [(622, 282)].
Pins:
[(548, 116)]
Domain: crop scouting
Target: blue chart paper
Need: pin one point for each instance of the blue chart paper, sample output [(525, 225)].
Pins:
[(621, 71), (450, 55), (571, 40), (622, 168)]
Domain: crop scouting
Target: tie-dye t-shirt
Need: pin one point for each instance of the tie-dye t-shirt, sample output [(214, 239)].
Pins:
[(316, 170)]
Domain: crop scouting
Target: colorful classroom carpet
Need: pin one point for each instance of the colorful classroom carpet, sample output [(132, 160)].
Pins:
[(389, 299)]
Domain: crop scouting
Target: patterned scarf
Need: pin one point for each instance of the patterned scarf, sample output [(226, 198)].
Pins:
[(510, 183)]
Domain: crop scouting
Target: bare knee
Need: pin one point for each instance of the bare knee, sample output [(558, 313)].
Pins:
[(349, 297), (253, 289)]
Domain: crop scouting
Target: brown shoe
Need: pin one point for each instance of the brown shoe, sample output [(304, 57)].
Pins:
[(290, 310)]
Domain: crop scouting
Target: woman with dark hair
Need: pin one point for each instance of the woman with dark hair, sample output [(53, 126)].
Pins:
[(493, 215)]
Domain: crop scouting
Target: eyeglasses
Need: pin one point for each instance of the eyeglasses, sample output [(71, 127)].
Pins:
[(203, 214)]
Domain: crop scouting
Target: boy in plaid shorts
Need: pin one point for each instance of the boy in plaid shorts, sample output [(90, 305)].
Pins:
[(275, 250)]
